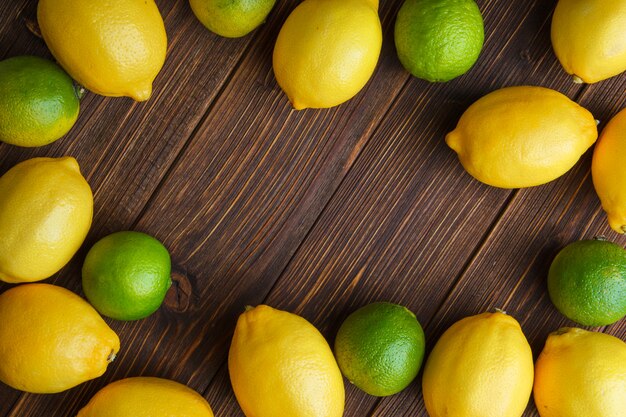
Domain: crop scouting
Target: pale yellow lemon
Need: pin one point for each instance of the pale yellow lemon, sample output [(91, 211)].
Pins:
[(281, 365), (589, 38), (482, 366), (46, 207), (581, 373), (111, 47), (146, 397), (522, 136), (326, 51), (51, 339), (609, 171)]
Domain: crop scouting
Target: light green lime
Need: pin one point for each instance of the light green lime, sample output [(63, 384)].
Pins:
[(587, 282), (126, 275), (38, 101), (231, 18), (438, 40), (380, 348)]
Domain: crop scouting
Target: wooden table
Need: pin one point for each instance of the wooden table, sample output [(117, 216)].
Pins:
[(317, 212)]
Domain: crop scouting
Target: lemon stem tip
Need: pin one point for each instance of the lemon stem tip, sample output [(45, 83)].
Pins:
[(111, 356), (577, 79), (499, 310)]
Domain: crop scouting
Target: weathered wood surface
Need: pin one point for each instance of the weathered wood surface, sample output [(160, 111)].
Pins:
[(318, 211)]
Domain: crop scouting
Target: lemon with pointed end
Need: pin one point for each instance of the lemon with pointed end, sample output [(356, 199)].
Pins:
[(46, 207), (231, 18), (113, 48), (326, 51), (481, 366), (588, 38), (146, 397), (581, 373), (38, 101), (280, 365), (609, 171), (51, 339), (523, 136)]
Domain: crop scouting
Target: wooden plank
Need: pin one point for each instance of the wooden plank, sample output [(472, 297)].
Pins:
[(242, 195), (407, 219), (510, 269)]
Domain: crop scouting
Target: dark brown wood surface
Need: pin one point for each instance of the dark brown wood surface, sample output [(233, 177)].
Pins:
[(317, 211)]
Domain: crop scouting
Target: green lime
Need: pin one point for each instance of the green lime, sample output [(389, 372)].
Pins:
[(126, 275), (380, 348), (231, 18), (38, 101), (438, 40), (587, 282)]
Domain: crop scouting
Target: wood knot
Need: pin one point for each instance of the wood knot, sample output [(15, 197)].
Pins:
[(178, 297)]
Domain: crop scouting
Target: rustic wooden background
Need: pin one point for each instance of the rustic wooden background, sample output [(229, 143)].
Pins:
[(318, 211)]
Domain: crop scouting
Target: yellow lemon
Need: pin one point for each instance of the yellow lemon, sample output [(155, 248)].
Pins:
[(46, 207), (112, 47), (482, 366), (522, 136), (589, 38), (327, 50), (146, 397), (280, 365), (51, 339), (581, 373), (609, 171)]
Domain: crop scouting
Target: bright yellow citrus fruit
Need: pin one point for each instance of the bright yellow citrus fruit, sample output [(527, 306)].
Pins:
[(46, 207), (609, 171), (280, 365), (589, 38), (114, 47), (146, 397), (522, 136), (581, 373), (326, 51), (481, 366), (51, 339), (231, 18), (38, 101)]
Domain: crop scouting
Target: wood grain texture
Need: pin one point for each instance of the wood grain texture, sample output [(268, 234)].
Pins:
[(318, 211)]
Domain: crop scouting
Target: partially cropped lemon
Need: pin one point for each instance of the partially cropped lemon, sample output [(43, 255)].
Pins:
[(581, 373), (51, 339), (481, 366), (522, 136), (146, 397), (46, 207), (589, 38), (327, 50), (114, 48), (609, 171), (280, 365)]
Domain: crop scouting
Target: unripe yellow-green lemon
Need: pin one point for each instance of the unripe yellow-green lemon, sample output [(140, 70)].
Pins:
[(232, 18), (519, 137), (589, 38), (111, 47), (146, 397), (38, 101), (581, 373), (482, 366), (46, 207), (326, 51), (281, 365), (609, 171), (51, 339)]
